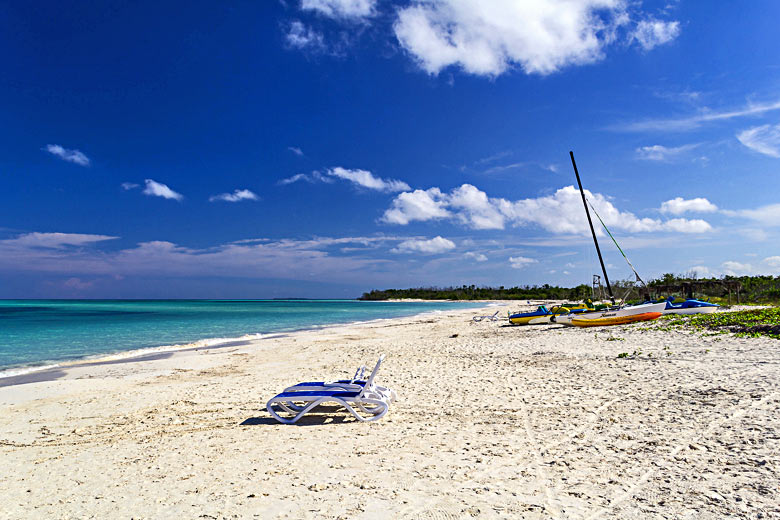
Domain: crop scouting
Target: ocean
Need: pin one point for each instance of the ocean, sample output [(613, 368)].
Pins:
[(40, 333)]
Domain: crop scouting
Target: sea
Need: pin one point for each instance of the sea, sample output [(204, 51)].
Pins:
[(39, 334)]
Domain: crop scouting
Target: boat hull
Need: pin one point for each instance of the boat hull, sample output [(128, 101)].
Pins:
[(615, 320), (623, 311), (691, 310), (530, 320)]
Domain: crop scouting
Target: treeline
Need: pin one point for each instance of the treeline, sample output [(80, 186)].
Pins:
[(472, 292), (759, 289)]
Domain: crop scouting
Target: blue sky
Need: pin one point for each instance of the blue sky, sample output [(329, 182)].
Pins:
[(322, 148)]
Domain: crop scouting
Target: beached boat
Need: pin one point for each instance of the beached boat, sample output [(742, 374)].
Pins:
[(615, 320), (543, 315), (606, 316), (690, 306), (616, 312), (538, 317)]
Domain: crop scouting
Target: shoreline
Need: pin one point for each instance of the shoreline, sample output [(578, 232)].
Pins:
[(52, 369)]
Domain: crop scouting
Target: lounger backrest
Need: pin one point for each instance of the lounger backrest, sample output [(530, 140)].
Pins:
[(358, 373), (370, 381)]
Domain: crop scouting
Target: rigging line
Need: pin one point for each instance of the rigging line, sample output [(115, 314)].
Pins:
[(616, 244)]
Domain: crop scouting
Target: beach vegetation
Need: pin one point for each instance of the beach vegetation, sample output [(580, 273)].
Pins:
[(751, 323)]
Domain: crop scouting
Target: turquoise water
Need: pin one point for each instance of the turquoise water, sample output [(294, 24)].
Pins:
[(42, 332)]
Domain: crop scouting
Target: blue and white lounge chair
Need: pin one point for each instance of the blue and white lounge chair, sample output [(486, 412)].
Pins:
[(355, 384), (368, 400)]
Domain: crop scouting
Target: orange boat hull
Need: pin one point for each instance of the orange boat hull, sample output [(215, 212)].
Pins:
[(615, 320)]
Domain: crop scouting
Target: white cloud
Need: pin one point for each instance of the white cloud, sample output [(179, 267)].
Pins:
[(651, 33), (432, 246), (772, 261), (420, 205), (701, 271), (313, 178), (297, 151), (678, 206), (302, 37), (763, 139), (74, 156), (559, 213), (736, 268), (341, 9), (54, 240), (768, 215), (682, 225), (520, 262), (696, 120), (236, 196), (662, 153), (366, 179), (479, 257), (75, 254), (490, 37), (156, 189), (474, 209), (129, 185)]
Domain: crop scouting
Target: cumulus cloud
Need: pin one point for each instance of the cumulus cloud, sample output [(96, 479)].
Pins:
[(341, 9), (678, 206), (763, 139), (652, 33), (520, 262), (236, 196), (487, 38), (557, 213), (773, 261), (478, 257), (432, 246), (366, 179), (474, 209), (74, 156), (157, 189), (418, 205), (662, 153), (682, 225)]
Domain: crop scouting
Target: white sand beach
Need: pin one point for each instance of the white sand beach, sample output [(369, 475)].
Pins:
[(492, 421)]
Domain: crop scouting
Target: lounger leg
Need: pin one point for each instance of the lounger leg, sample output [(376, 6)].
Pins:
[(300, 414)]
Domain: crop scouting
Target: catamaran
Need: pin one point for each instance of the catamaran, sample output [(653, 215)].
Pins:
[(619, 314)]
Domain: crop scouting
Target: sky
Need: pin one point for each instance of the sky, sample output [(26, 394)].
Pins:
[(324, 148)]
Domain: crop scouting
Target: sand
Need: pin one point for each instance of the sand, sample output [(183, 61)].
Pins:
[(492, 421)]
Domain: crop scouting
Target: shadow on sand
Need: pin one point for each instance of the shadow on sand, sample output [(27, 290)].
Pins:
[(326, 415)]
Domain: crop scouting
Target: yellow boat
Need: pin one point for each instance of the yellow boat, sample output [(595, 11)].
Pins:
[(615, 320)]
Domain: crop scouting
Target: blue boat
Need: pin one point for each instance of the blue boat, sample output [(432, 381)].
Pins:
[(689, 306)]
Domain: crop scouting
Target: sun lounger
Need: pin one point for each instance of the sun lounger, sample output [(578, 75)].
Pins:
[(494, 317), (368, 399), (355, 384)]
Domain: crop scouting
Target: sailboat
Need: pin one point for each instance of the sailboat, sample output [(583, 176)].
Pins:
[(617, 315)]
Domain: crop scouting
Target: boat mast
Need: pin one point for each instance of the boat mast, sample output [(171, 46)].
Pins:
[(590, 223)]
